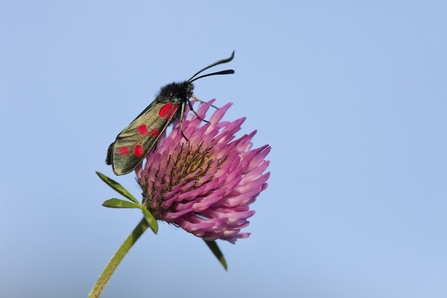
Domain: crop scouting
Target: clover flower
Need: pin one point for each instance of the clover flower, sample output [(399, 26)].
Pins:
[(206, 183)]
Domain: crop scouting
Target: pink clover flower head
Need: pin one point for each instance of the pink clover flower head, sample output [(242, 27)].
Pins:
[(205, 184)]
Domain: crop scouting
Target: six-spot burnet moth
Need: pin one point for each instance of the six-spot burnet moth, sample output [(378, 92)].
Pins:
[(140, 136)]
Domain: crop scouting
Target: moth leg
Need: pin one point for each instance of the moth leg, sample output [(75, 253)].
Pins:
[(182, 110), (195, 98)]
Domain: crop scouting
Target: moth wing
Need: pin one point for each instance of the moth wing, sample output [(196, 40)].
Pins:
[(139, 137)]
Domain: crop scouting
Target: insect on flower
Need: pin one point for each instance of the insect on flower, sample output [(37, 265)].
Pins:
[(205, 185), (136, 140)]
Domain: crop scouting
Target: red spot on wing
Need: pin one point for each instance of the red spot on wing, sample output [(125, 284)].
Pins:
[(155, 133), (172, 112), (138, 150), (167, 110), (142, 129), (123, 150)]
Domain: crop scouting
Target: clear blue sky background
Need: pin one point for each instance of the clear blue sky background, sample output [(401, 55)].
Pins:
[(351, 96)]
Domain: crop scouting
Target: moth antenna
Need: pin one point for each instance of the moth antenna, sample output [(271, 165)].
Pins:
[(223, 72), (212, 65)]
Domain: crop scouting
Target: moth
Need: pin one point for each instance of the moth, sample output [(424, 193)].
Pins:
[(135, 141)]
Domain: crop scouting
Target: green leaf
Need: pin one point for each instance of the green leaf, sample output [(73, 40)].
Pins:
[(117, 187), (216, 251), (118, 203), (153, 224)]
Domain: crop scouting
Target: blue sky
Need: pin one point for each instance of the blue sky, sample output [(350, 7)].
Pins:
[(351, 96)]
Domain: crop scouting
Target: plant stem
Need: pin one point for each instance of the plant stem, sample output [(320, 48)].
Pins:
[(117, 258)]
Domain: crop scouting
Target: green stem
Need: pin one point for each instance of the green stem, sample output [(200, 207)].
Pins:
[(117, 258)]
